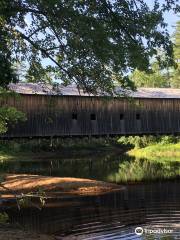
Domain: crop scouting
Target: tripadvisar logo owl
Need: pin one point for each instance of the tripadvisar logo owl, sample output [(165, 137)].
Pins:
[(139, 231)]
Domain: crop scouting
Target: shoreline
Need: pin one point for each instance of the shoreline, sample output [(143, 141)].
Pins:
[(54, 186), (152, 152), (59, 154)]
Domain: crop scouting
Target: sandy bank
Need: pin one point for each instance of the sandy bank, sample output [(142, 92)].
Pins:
[(52, 186), (23, 183)]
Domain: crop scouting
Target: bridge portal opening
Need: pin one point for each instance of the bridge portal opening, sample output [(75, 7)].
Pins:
[(93, 116), (121, 116), (74, 116), (138, 117)]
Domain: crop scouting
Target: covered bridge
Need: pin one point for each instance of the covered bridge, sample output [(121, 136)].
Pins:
[(69, 112)]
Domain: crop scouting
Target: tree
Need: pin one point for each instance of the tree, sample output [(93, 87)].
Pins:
[(155, 79), (88, 42), (37, 73), (7, 73), (175, 80), (8, 115), (177, 44)]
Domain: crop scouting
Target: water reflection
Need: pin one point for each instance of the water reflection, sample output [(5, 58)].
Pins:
[(133, 170), (113, 216), (108, 167), (95, 166)]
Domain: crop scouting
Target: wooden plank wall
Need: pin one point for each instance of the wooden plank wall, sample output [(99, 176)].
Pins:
[(52, 116)]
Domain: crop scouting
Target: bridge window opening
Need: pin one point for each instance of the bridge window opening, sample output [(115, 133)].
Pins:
[(93, 117), (121, 116), (138, 117), (74, 116)]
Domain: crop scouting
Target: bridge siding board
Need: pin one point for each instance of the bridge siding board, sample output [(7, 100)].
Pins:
[(52, 116)]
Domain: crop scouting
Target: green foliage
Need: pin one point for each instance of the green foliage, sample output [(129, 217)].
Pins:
[(7, 73), (137, 141), (154, 79), (4, 217), (168, 139), (9, 115), (175, 79), (165, 151), (37, 73), (57, 144), (88, 42), (144, 141), (26, 200), (177, 43), (141, 169)]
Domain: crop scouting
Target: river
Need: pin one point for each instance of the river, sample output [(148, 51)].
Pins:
[(150, 200)]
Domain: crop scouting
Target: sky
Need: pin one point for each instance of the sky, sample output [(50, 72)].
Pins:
[(170, 17)]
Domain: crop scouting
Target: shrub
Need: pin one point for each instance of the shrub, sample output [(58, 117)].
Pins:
[(168, 139), (137, 141)]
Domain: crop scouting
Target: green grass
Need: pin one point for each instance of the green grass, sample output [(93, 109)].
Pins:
[(160, 151)]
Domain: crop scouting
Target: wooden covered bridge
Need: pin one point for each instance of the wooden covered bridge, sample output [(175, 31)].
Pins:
[(69, 112)]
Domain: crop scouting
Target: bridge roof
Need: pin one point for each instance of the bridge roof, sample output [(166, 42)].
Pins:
[(47, 89)]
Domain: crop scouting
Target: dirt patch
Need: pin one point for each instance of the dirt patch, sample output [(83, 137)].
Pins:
[(23, 183), (53, 187)]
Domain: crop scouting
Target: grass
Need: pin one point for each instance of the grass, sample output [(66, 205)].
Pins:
[(160, 151)]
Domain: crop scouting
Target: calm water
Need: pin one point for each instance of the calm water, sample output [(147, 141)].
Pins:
[(151, 201)]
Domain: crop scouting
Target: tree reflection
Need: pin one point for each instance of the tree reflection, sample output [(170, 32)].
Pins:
[(145, 170), (113, 167)]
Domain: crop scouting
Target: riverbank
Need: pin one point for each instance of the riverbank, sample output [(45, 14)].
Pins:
[(54, 186), (34, 149), (165, 151)]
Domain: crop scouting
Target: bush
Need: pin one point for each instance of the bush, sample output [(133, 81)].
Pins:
[(168, 139), (138, 141), (10, 116), (3, 217), (144, 141), (54, 144)]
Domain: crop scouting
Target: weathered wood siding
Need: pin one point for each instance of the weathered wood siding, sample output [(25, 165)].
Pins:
[(52, 116)]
